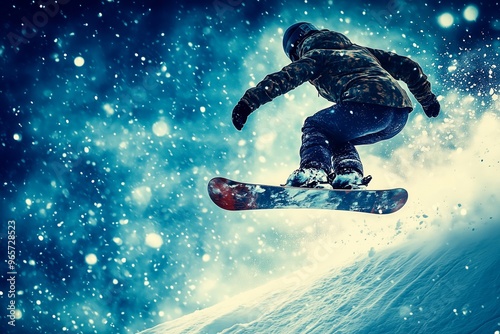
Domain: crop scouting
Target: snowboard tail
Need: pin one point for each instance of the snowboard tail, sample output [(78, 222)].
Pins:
[(236, 196)]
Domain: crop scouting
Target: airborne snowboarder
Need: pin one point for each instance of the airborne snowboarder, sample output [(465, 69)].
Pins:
[(368, 103)]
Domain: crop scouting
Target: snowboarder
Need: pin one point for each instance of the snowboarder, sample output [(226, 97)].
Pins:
[(369, 104)]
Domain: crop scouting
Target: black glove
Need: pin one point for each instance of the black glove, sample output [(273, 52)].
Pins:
[(240, 114), (431, 106)]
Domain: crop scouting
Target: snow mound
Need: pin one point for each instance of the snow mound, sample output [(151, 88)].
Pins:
[(444, 283)]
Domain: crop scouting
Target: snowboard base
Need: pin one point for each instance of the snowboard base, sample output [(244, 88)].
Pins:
[(235, 196)]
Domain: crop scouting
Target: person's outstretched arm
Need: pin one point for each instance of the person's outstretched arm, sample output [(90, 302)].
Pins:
[(409, 71), (272, 86)]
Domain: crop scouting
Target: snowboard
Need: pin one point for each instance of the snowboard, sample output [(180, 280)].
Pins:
[(235, 196)]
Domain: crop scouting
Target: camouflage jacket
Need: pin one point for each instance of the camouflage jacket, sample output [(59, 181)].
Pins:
[(343, 71)]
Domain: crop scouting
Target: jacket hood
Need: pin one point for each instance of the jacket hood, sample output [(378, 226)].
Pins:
[(324, 39)]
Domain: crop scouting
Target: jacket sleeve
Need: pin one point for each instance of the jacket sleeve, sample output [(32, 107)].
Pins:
[(279, 83), (407, 70)]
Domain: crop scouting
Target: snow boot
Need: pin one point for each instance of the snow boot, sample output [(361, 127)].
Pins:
[(348, 178), (310, 178)]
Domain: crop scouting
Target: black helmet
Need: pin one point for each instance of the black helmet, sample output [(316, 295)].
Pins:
[(294, 35)]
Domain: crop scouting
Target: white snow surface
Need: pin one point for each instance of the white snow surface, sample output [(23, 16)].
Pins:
[(446, 283)]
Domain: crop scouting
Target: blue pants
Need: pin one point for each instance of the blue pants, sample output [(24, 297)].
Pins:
[(329, 136)]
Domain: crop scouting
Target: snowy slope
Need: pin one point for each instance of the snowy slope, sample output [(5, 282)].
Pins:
[(447, 283)]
